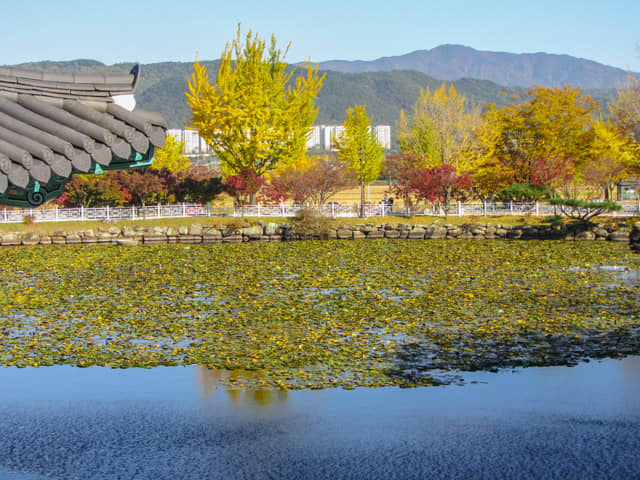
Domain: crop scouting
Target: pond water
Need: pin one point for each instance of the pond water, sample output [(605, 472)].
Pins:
[(179, 423)]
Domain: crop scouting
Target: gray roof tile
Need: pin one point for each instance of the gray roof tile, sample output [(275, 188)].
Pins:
[(53, 125), (15, 80)]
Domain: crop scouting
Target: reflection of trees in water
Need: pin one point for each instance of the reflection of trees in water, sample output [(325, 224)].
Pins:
[(631, 368), (211, 380)]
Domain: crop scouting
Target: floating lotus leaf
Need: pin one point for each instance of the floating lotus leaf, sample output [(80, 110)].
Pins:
[(321, 313)]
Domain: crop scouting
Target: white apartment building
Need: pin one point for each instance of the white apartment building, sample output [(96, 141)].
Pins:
[(383, 135), (329, 134), (193, 143), (314, 137), (323, 136), (319, 135)]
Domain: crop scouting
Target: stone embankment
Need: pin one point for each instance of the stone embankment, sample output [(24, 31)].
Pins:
[(271, 232), (634, 238)]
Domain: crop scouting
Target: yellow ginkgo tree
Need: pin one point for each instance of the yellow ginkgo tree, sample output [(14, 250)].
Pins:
[(625, 111), (359, 148), (258, 113), (613, 156), (440, 130), (171, 156)]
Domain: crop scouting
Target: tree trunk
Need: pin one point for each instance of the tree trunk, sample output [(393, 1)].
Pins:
[(447, 200), (361, 198)]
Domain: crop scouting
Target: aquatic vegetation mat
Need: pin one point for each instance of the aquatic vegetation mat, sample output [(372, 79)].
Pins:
[(321, 313)]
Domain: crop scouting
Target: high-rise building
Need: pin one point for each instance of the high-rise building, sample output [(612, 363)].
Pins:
[(193, 142), (324, 136), (383, 135), (314, 137)]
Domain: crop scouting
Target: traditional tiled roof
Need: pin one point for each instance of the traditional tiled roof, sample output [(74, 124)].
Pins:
[(52, 126), (73, 86)]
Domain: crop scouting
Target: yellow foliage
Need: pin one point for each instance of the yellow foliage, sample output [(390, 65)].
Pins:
[(257, 115), (358, 147), (441, 129), (170, 156), (554, 127), (613, 156), (625, 111), (301, 163)]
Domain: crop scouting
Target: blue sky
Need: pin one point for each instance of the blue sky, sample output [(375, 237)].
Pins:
[(156, 31)]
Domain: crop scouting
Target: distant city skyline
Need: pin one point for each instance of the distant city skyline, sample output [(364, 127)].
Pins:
[(149, 32), (319, 136)]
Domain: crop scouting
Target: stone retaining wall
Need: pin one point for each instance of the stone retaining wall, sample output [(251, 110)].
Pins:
[(634, 238), (271, 232)]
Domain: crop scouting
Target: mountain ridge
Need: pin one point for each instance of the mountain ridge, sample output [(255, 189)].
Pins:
[(453, 62), (162, 85)]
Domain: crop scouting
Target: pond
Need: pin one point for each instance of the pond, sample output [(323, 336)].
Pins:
[(178, 422), (225, 361), (321, 314)]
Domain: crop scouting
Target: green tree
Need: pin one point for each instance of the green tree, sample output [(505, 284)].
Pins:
[(525, 192), (359, 149), (170, 156), (256, 116), (584, 210)]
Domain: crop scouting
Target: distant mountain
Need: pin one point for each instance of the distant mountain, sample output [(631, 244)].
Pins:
[(453, 62), (383, 93), (162, 85), (386, 93)]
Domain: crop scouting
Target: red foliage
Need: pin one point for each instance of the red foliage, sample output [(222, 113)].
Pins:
[(277, 191), (144, 185), (317, 183), (243, 185), (403, 186), (401, 167), (434, 184), (94, 191), (63, 200), (553, 171)]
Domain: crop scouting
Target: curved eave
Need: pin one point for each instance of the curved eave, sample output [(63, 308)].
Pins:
[(36, 193), (43, 143), (55, 125)]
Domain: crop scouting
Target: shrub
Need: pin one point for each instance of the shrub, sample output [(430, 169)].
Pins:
[(236, 224), (310, 222), (553, 219), (525, 192), (584, 210)]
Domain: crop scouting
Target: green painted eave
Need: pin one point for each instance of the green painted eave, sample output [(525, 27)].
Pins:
[(35, 193)]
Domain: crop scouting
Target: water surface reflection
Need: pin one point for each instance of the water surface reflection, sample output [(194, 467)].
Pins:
[(96, 423)]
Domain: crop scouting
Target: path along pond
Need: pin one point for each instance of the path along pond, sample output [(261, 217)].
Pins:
[(258, 320)]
